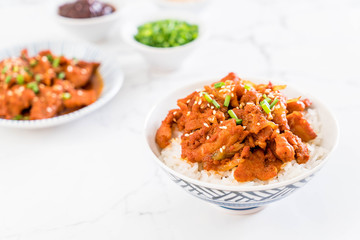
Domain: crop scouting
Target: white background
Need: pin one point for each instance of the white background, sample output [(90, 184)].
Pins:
[(93, 179)]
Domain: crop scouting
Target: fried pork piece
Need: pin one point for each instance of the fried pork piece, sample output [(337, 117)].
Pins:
[(301, 151), (80, 73), (256, 165), (15, 101), (47, 104), (282, 149), (300, 126), (279, 113), (164, 133), (212, 145)]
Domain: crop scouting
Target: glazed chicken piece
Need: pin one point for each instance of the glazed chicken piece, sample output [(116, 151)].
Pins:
[(47, 104), (300, 126), (80, 73), (16, 100)]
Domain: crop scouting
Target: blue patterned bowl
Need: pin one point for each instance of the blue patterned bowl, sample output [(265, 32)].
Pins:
[(242, 199)]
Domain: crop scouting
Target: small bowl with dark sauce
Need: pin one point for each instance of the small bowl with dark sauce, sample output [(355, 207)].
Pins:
[(91, 20)]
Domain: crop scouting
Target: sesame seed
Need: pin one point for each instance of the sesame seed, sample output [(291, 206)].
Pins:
[(208, 137), (188, 113), (221, 150), (69, 68), (188, 101), (200, 101), (195, 102), (214, 112), (244, 127), (9, 93), (174, 119), (223, 127), (208, 105), (206, 125), (49, 109), (258, 124), (174, 113), (186, 135), (212, 107), (80, 93), (83, 71), (232, 95)]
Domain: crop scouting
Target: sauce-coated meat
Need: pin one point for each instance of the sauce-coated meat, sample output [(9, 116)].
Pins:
[(228, 126), (46, 85)]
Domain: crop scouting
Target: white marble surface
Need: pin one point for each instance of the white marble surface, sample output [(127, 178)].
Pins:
[(92, 179)]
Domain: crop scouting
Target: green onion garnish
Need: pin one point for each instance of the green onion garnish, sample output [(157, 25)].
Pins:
[(15, 68), (207, 97), (33, 62), (274, 103), (50, 58), (215, 103), (219, 84), (75, 60), (266, 98), (38, 78), (7, 79), (20, 79), (232, 114), (227, 100), (265, 105), (18, 117), (66, 96), (33, 86), (61, 75), (247, 87), (26, 118), (28, 71), (56, 62), (4, 69)]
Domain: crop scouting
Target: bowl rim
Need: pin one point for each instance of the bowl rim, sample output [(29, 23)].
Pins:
[(162, 15), (88, 21), (48, 122), (244, 188)]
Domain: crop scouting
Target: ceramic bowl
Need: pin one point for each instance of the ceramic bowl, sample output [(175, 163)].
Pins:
[(242, 199), (112, 76), (90, 29), (163, 59), (194, 5)]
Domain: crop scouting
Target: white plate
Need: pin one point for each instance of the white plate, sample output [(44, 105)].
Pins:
[(112, 76)]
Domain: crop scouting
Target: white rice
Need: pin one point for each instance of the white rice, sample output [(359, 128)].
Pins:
[(171, 156)]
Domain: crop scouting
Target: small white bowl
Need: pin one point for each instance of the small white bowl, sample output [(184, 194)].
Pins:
[(239, 199), (112, 76), (189, 5), (163, 59), (92, 29)]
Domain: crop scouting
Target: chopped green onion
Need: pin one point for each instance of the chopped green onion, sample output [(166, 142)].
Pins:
[(219, 84), (75, 60), (61, 75), (33, 86), (50, 58), (7, 79), (207, 97), (266, 98), (56, 62), (18, 117), (33, 62), (26, 118), (247, 87), (232, 114), (4, 69), (20, 79), (227, 100), (28, 71), (274, 103), (265, 105), (66, 96), (238, 121), (15, 68), (215, 103), (38, 78)]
